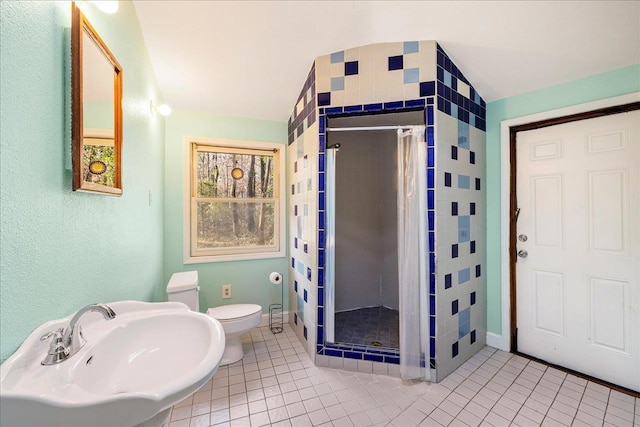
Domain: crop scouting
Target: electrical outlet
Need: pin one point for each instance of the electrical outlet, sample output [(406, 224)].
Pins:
[(226, 291)]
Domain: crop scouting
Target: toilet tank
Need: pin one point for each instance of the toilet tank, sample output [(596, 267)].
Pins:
[(183, 287)]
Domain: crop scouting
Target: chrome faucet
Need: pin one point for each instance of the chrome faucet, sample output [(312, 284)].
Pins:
[(67, 343)]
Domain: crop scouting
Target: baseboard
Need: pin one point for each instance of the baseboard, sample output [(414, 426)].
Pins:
[(495, 341), (264, 321)]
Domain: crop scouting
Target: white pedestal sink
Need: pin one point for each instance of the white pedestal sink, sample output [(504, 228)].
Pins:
[(131, 371)]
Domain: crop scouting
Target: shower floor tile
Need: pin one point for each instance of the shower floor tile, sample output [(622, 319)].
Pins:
[(377, 326)]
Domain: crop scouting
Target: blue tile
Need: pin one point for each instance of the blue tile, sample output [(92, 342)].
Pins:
[(454, 83), (432, 261), (440, 58), (432, 363), (454, 307), (430, 135), (295, 242), (320, 301), (464, 275), (322, 122), (454, 349), (472, 247), (431, 178), (447, 281), (464, 322), (293, 263), (472, 298), (432, 323), (300, 308), (454, 111), (393, 105), (472, 208), (430, 119), (411, 75), (337, 57), (447, 79), (392, 359), (395, 63), (352, 355), (431, 157), (454, 152), (478, 184), (353, 109), (432, 283), (432, 303), (305, 296), (447, 179), (464, 221), (320, 335), (431, 220), (428, 88), (454, 208), (478, 271), (321, 277), (463, 135), (472, 157), (432, 347), (295, 210), (440, 74), (333, 352), (333, 110), (351, 68), (295, 318), (324, 98), (414, 103), (463, 235), (304, 332), (373, 357), (463, 181), (473, 336), (411, 47), (432, 240), (431, 203), (454, 251), (321, 164), (295, 286), (373, 107), (337, 83), (430, 101)]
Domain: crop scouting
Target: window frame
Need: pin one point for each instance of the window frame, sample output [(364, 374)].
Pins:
[(278, 250)]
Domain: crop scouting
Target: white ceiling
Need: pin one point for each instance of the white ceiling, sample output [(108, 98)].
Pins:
[(250, 58)]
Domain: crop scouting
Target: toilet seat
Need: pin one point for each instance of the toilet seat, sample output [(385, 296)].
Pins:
[(232, 312)]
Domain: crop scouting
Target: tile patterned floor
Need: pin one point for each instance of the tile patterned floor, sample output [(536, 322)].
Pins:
[(366, 325), (277, 384)]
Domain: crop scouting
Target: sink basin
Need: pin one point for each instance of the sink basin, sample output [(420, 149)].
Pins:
[(131, 371)]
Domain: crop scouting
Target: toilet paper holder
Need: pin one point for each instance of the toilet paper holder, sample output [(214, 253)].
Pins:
[(276, 310)]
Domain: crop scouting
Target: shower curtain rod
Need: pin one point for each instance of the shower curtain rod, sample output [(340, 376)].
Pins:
[(372, 128)]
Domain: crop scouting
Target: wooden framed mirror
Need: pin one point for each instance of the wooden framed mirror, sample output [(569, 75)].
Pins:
[(96, 110)]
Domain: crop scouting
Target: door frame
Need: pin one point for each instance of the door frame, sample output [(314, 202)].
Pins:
[(508, 133)]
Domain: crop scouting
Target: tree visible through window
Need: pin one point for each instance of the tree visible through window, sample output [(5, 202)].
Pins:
[(235, 204)]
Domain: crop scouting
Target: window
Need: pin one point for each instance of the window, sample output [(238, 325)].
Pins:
[(235, 209)]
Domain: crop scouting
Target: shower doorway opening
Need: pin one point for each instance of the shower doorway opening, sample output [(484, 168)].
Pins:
[(363, 175)]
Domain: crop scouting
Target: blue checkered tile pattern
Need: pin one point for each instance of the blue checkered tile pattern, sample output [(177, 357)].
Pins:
[(395, 77)]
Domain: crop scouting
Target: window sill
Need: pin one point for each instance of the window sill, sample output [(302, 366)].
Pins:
[(235, 257)]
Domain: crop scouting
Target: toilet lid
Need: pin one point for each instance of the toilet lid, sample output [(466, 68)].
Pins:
[(233, 311)]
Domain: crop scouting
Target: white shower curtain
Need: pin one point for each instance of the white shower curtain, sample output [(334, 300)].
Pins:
[(330, 250), (412, 253)]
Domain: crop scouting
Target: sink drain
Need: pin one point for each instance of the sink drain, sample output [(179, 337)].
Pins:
[(376, 343)]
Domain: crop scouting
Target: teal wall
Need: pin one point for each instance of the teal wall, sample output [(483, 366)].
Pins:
[(248, 279), (61, 250), (614, 83)]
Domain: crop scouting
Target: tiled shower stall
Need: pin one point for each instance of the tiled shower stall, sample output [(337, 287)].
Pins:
[(376, 79)]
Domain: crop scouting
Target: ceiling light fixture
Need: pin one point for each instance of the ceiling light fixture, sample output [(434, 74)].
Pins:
[(162, 109), (106, 6)]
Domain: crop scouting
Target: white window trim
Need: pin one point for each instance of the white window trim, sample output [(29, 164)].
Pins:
[(186, 191)]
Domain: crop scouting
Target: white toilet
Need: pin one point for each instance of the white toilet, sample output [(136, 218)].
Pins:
[(236, 319)]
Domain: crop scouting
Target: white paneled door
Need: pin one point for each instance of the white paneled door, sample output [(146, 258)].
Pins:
[(578, 264)]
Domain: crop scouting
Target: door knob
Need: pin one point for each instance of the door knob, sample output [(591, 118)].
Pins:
[(522, 253), (522, 237)]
